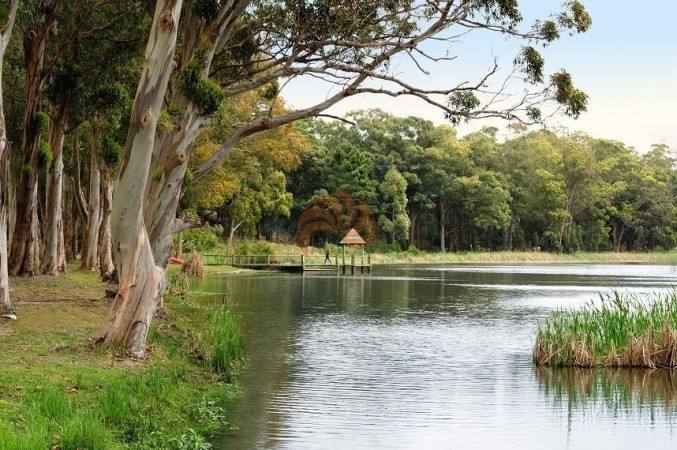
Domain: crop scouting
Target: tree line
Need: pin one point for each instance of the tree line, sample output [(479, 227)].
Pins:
[(429, 188), (114, 116)]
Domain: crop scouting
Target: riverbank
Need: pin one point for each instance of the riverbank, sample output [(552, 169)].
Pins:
[(56, 391), (522, 257), (415, 256)]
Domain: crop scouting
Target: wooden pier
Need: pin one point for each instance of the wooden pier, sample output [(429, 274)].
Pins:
[(293, 263)]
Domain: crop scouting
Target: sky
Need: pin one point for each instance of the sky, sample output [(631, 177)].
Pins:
[(626, 63)]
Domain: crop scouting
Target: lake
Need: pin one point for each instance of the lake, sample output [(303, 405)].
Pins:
[(434, 357)]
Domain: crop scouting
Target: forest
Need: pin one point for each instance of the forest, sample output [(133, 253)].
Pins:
[(429, 188), (435, 190)]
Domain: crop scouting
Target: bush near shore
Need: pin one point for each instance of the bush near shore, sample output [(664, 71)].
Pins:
[(56, 391), (620, 331)]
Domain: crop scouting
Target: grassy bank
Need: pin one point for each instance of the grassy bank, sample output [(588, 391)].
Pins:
[(56, 391), (522, 257), (415, 256), (620, 331)]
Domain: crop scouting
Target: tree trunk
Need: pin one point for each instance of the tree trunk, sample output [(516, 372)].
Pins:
[(54, 259), (78, 195), (618, 229), (69, 220), (22, 257), (89, 251), (105, 256), (231, 236), (142, 282), (441, 210), (413, 225), (178, 250), (163, 196), (6, 310)]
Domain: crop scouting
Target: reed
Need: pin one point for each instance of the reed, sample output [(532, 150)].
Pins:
[(223, 344), (619, 331)]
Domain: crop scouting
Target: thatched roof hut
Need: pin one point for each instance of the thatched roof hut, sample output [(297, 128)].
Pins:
[(353, 238)]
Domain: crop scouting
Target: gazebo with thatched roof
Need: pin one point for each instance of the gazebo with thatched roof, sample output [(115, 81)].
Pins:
[(352, 239)]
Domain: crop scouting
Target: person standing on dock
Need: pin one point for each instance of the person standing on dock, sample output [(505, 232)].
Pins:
[(327, 258)]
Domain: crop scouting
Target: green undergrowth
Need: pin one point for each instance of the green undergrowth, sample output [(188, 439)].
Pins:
[(619, 331), (57, 391)]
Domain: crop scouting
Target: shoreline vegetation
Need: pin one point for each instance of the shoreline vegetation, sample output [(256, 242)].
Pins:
[(57, 391), (415, 256), (620, 330)]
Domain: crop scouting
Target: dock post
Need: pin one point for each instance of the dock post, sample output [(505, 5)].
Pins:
[(352, 264), (369, 263), (303, 263)]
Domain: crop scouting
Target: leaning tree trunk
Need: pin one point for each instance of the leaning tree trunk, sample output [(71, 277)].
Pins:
[(172, 150), (142, 282), (5, 302), (91, 238), (105, 256), (53, 260), (163, 196)]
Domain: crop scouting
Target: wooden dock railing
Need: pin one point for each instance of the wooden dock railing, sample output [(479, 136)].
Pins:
[(289, 262)]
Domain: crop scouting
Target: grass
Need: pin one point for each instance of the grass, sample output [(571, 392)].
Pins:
[(416, 256), (420, 257), (56, 391), (620, 331)]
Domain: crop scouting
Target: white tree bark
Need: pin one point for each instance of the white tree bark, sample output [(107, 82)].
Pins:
[(142, 282), (6, 310), (91, 238), (105, 256), (54, 259)]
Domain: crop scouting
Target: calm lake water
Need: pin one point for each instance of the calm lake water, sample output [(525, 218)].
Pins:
[(435, 357)]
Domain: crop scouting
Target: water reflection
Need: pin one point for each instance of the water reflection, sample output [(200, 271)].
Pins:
[(434, 357)]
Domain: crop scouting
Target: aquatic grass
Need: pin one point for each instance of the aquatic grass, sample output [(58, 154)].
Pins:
[(620, 331), (223, 344)]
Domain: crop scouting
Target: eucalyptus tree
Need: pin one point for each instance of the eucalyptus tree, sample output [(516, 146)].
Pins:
[(394, 219), (39, 22), (231, 47), (6, 26)]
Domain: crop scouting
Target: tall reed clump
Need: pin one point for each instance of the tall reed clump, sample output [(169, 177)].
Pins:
[(223, 344), (621, 331), (194, 267)]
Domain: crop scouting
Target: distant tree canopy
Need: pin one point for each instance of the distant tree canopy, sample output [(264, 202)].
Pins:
[(540, 189)]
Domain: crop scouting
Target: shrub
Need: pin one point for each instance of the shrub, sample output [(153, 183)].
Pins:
[(194, 267), (380, 246), (203, 239), (246, 247)]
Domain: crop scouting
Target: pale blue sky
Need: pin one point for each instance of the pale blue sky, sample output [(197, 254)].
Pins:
[(626, 63)]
